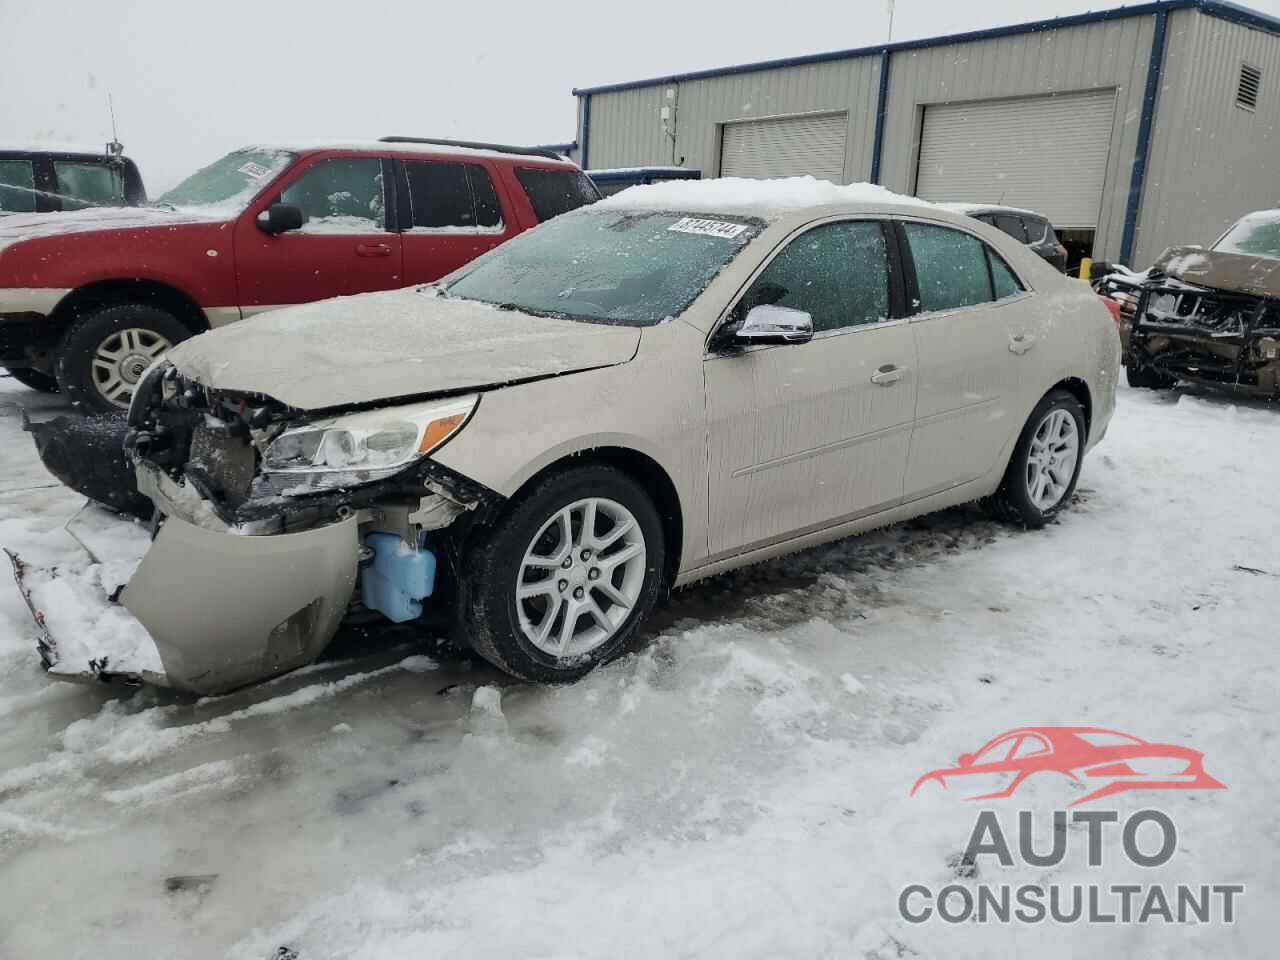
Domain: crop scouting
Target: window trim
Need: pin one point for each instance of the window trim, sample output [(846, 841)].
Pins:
[(912, 282), (893, 267)]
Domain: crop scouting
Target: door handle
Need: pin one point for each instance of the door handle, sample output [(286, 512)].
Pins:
[(373, 250), (887, 375), (1021, 342)]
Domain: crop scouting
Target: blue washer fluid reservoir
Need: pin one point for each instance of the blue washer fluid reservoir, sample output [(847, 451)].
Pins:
[(398, 578)]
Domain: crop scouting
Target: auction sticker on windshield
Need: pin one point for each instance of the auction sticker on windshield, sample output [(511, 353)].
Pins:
[(257, 171), (708, 228)]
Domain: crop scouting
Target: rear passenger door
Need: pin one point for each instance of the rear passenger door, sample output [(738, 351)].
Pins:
[(974, 328), (451, 213)]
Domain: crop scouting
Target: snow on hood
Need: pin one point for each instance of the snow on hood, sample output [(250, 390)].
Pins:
[(727, 194), (381, 346), (32, 226)]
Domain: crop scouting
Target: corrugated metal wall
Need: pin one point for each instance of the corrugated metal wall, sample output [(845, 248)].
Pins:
[(1112, 54), (626, 125), (1211, 161)]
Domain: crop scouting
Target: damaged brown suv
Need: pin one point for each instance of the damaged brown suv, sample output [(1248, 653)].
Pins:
[(1209, 316)]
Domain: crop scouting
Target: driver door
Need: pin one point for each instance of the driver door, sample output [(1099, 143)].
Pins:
[(804, 436), (343, 247)]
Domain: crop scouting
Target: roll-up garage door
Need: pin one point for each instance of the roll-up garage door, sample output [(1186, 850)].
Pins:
[(786, 147), (1047, 154)]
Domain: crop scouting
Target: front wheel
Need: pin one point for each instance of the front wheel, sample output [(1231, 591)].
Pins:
[(106, 352), (1045, 465), (561, 582)]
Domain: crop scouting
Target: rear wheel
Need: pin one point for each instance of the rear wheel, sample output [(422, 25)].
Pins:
[(561, 582), (106, 352), (1045, 465), (34, 379)]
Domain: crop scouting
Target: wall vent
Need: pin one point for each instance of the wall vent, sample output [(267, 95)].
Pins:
[(1247, 90)]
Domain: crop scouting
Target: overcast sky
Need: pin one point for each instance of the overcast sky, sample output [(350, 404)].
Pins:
[(192, 79)]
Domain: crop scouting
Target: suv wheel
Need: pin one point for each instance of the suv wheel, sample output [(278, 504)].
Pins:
[(106, 352), (1045, 465), (34, 379), (563, 579)]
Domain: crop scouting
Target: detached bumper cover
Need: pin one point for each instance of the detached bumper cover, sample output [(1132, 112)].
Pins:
[(205, 611)]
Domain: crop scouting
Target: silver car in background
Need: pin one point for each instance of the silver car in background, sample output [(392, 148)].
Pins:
[(680, 380)]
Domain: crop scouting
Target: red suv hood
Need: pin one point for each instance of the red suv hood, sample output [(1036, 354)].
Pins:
[(32, 226)]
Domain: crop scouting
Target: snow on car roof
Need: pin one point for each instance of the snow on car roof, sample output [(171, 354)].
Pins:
[(52, 146), (400, 146), (968, 208), (743, 195)]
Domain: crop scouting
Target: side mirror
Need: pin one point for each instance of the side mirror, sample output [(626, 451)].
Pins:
[(966, 760), (768, 323), (280, 217)]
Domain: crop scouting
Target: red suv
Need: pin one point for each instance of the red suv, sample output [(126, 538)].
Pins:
[(89, 299)]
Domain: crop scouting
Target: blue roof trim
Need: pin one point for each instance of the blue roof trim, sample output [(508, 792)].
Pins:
[(1222, 9)]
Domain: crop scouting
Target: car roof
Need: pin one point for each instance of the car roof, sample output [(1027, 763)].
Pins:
[(406, 148), (969, 209), (30, 152), (789, 198)]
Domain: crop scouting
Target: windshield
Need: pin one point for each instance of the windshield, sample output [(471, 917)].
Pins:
[(1257, 235), (230, 182), (623, 267)]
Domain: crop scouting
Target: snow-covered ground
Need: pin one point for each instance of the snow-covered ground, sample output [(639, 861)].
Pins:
[(738, 788)]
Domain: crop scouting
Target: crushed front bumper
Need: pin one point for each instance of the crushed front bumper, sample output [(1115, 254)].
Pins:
[(206, 611)]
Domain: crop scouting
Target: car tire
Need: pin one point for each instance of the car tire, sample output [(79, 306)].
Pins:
[(526, 547), (1144, 378), (124, 340), (1033, 489), (34, 379)]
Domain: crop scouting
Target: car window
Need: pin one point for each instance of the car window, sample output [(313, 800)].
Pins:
[(1257, 235), (342, 195), (553, 192), (451, 196), (837, 273), (1006, 284), (998, 751), (1037, 229), (951, 267), (229, 182), (626, 267), (17, 186), (1029, 747), (88, 184), (1013, 226), (1105, 738)]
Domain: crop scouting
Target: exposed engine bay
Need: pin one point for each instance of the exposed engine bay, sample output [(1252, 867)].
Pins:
[(253, 563), (1204, 316)]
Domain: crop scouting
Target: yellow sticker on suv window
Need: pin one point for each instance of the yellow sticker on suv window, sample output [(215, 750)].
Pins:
[(708, 228)]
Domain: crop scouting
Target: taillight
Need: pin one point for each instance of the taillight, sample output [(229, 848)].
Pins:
[(1062, 251), (1114, 308)]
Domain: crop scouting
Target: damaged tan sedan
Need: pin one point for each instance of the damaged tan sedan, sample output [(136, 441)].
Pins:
[(680, 380)]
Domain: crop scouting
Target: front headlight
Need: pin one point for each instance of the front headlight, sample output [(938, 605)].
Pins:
[(363, 447)]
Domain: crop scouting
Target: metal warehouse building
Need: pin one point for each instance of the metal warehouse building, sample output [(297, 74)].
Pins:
[(1131, 129)]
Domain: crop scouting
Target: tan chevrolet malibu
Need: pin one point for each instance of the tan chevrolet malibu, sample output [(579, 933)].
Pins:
[(677, 381)]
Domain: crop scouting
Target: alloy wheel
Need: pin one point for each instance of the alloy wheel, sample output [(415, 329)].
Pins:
[(580, 577), (1051, 459)]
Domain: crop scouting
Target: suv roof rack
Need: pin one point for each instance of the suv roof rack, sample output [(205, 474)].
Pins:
[(477, 145)]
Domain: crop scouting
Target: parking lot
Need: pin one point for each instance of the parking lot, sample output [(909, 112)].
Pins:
[(738, 786)]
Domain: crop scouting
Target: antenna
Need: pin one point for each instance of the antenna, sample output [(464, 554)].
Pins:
[(115, 148)]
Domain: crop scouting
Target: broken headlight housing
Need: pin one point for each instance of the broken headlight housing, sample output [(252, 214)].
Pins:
[(362, 447)]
